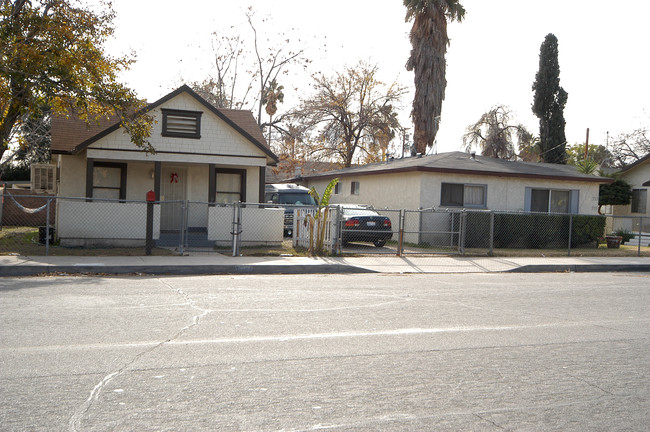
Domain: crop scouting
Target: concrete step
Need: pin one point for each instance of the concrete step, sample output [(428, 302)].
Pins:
[(634, 241)]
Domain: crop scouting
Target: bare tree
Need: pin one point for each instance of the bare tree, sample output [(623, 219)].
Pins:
[(351, 116), (246, 71), (493, 133), (628, 148)]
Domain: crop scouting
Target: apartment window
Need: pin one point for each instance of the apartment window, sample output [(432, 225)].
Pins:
[(551, 200), (109, 180), (230, 186), (181, 124), (463, 195), (639, 200), (354, 188)]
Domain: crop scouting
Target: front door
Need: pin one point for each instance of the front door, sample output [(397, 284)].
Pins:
[(174, 189)]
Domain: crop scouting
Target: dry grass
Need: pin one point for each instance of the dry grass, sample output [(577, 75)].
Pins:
[(24, 241)]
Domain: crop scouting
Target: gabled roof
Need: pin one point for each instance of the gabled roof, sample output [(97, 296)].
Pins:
[(463, 163), (72, 135)]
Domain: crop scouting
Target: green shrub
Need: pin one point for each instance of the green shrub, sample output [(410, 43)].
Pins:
[(627, 236), (587, 230), (532, 231)]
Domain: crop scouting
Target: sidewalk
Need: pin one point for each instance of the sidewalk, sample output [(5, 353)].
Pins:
[(222, 264)]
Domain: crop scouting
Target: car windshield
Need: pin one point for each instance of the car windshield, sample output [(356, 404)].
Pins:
[(347, 211), (297, 199)]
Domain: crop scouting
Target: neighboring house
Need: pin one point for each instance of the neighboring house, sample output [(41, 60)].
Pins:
[(203, 154), (638, 176), (286, 169), (460, 180)]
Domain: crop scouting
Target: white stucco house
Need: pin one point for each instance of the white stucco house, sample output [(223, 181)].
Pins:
[(454, 181), (638, 211), (205, 155), (460, 180)]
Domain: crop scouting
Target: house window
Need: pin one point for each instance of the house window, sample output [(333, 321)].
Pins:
[(337, 188), (181, 124), (109, 180), (551, 200), (462, 195), (230, 186), (354, 188), (639, 200)]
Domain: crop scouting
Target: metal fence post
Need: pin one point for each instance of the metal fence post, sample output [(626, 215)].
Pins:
[(462, 225), (236, 229), (402, 220), (339, 227), (570, 233), (638, 252), (183, 229), (491, 251), (47, 228)]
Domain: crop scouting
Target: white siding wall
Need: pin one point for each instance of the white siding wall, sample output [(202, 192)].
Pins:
[(259, 226), (217, 138), (636, 177), (104, 220)]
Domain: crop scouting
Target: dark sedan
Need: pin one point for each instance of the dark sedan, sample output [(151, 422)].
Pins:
[(364, 224)]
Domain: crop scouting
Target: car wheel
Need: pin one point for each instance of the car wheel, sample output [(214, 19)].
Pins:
[(379, 243)]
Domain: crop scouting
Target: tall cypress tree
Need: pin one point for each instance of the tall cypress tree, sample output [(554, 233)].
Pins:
[(549, 102)]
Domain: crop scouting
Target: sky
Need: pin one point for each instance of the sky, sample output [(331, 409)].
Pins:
[(492, 58)]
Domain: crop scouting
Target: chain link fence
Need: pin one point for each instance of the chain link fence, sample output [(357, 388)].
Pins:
[(44, 225)]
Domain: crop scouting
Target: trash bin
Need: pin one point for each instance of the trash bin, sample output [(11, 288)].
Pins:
[(41, 234)]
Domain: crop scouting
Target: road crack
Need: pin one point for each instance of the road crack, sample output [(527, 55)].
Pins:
[(82, 410)]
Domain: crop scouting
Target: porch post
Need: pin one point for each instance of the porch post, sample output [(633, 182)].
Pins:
[(90, 163), (157, 173), (212, 184), (262, 183)]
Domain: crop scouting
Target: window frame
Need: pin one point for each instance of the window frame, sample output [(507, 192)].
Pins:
[(355, 188), (464, 205), (90, 183), (196, 115), (573, 200), (214, 187), (636, 201)]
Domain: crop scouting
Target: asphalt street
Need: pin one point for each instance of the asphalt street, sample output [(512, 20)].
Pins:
[(480, 352)]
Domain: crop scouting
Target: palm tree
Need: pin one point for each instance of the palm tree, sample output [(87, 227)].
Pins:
[(429, 41), (272, 95)]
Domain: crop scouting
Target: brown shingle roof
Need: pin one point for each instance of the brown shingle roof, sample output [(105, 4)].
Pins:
[(71, 135)]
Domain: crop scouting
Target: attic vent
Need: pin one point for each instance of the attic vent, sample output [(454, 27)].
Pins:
[(43, 178), (181, 124)]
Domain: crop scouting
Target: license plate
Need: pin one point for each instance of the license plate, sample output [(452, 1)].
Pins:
[(371, 223)]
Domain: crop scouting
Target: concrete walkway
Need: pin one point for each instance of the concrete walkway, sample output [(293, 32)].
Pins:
[(222, 264)]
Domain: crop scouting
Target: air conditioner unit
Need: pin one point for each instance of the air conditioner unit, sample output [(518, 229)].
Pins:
[(43, 178)]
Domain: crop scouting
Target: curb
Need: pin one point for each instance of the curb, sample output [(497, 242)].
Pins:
[(187, 270), (580, 268)]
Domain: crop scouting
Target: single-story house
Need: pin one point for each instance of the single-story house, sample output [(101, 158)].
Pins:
[(456, 181), (637, 175), (203, 154), (462, 180)]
